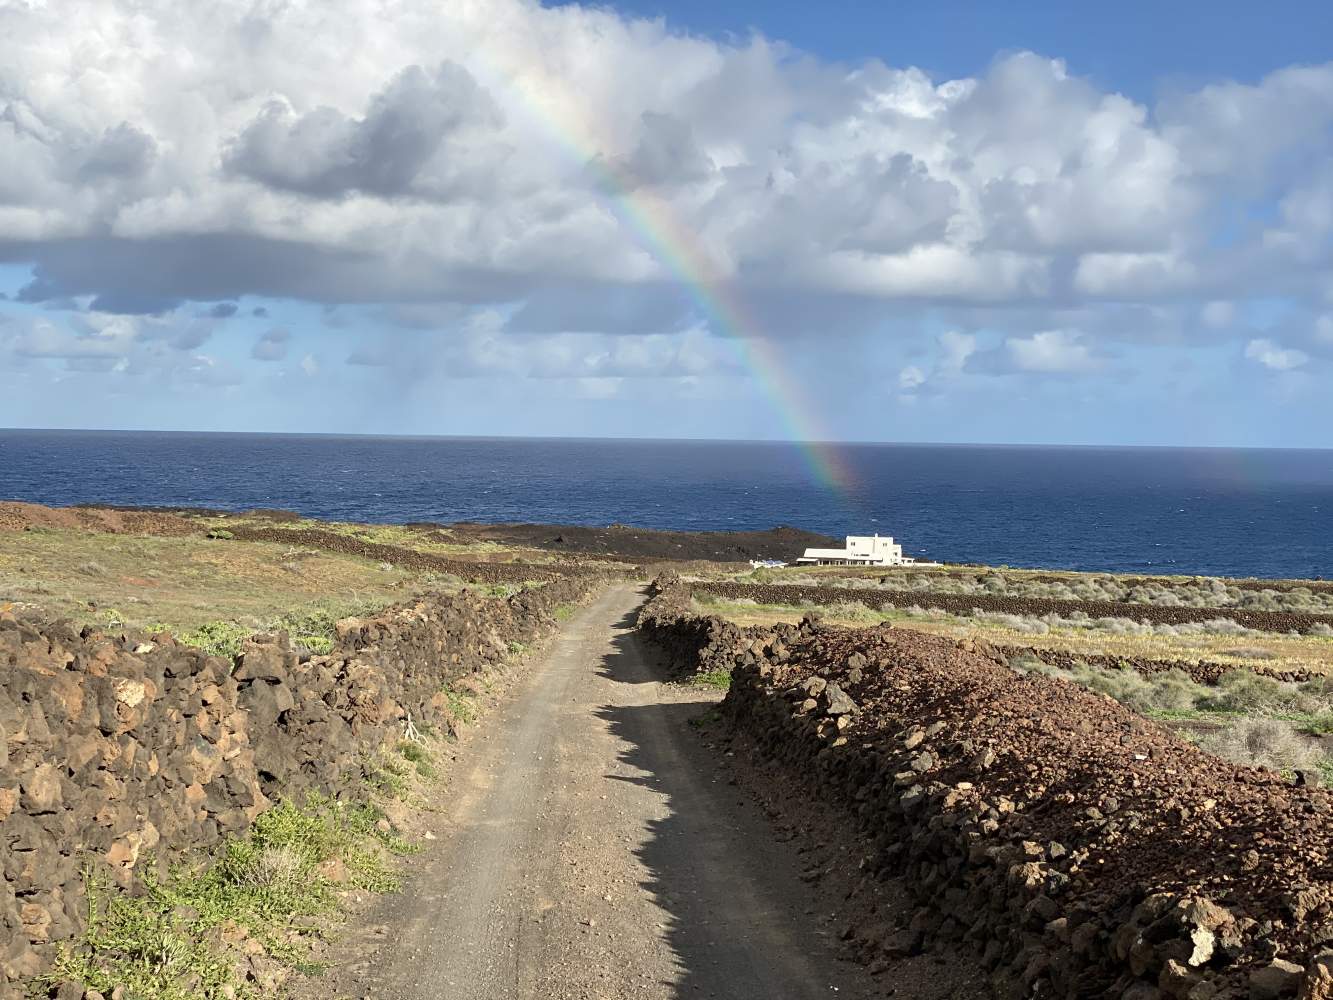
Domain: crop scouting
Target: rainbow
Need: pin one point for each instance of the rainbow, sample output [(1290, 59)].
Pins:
[(677, 248)]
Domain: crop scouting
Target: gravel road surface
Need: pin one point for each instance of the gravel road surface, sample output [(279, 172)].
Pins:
[(590, 845)]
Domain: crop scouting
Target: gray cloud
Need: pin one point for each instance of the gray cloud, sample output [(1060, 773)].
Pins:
[(272, 346), (666, 154), (121, 153), (325, 154)]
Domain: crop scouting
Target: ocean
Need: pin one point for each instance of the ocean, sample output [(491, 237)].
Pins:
[(1235, 512)]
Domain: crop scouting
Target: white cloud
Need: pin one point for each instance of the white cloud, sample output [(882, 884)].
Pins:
[(911, 378), (511, 191), (957, 348), (1273, 356), (1052, 352), (483, 151)]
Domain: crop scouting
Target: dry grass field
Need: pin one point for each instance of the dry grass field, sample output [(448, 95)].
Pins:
[(1284, 652), (191, 583), (432, 540)]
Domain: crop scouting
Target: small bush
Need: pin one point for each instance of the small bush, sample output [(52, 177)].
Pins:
[(221, 534), (1247, 692), (1267, 743), (217, 638)]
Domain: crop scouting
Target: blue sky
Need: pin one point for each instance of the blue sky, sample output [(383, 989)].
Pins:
[(1136, 47), (959, 222)]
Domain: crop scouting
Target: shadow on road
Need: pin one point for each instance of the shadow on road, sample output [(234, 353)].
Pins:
[(739, 922)]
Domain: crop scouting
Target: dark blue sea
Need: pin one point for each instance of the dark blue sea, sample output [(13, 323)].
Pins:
[(1214, 511)]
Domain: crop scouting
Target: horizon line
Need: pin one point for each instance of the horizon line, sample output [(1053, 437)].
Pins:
[(661, 440)]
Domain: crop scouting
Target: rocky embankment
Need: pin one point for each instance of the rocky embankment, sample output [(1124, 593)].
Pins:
[(127, 751), (1081, 849), (966, 604)]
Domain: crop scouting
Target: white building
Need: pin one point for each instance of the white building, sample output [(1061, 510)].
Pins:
[(861, 550)]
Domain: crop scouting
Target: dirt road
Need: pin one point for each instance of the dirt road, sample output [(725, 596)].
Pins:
[(592, 847)]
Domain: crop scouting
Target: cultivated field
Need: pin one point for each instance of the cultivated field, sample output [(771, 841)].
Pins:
[(1253, 695)]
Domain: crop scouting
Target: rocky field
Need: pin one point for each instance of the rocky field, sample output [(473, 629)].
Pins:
[(1082, 849)]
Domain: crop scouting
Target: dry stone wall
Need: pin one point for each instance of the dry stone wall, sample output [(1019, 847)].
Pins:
[(966, 604), (1207, 672), (1081, 849), (130, 750), (484, 572)]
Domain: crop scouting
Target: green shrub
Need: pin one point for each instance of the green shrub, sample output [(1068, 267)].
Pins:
[(217, 638), (157, 944), (1245, 691)]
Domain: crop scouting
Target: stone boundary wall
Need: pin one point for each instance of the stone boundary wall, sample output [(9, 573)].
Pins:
[(132, 749), (1082, 850), (483, 572), (965, 604), (1128, 580), (1207, 672)]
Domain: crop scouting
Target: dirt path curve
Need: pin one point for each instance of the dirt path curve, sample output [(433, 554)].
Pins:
[(591, 851)]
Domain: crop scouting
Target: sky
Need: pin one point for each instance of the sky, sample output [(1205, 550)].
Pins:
[(981, 222)]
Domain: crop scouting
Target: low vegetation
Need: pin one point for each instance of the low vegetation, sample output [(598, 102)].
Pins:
[(1246, 718), (419, 538), (1192, 592), (1222, 641), (716, 680), (207, 592), (187, 935)]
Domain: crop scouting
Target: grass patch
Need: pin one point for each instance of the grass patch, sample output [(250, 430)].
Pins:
[(179, 938), (419, 757), (388, 776), (191, 583), (1174, 592), (1269, 743), (312, 630), (564, 612), (217, 638), (462, 705), (716, 680)]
